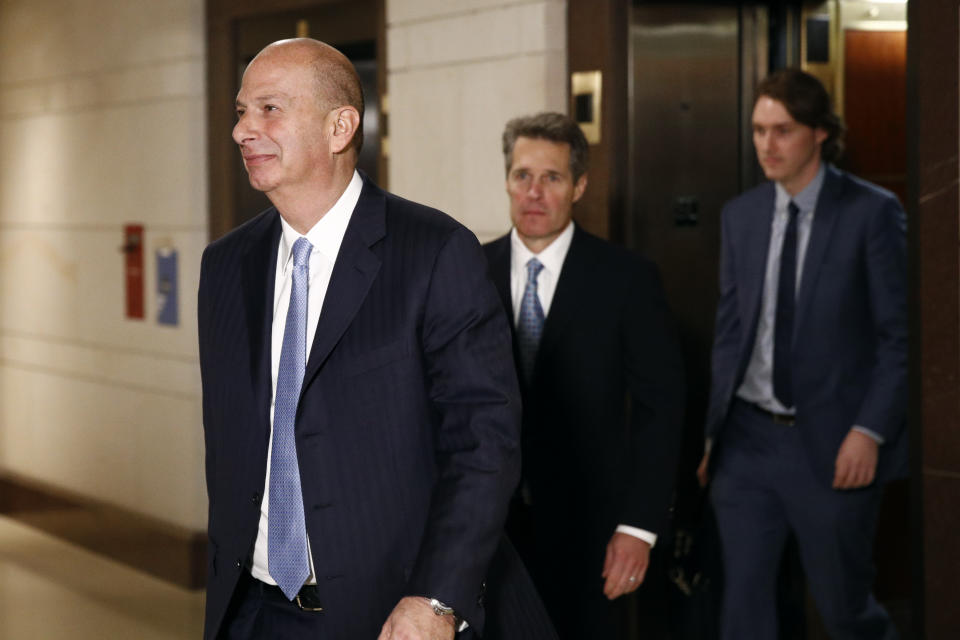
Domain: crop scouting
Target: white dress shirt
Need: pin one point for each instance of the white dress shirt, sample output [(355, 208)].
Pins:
[(757, 385), (552, 258), (325, 236)]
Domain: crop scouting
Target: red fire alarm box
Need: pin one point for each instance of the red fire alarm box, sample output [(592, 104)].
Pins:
[(133, 269)]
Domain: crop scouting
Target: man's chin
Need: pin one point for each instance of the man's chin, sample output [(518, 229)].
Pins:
[(772, 174), (261, 185)]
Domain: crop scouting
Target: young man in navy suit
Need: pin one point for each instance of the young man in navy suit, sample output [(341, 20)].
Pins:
[(361, 412), (602, 383), (807, 407)]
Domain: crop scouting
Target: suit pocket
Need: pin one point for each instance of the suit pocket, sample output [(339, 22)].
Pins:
[(376, 358)]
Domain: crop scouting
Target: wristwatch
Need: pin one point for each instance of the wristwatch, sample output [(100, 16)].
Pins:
[(459, 624)]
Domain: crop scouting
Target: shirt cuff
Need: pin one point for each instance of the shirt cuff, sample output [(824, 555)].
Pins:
[(873, 435), (643, 534)]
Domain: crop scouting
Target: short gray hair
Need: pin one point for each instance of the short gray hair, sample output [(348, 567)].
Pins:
[(551, 126)]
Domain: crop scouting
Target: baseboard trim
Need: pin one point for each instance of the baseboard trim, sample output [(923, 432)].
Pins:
[(169, 552)]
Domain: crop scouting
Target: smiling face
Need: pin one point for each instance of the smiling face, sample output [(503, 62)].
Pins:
[(542, 190), (788, 151), (282, 129)]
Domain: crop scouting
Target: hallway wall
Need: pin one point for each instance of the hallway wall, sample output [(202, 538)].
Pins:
[(102, 123), (457, 72)]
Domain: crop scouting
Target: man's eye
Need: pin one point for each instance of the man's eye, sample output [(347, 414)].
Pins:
[(240, 113), (269, 107)]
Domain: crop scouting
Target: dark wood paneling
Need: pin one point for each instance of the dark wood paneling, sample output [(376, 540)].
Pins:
[(932, 206), (169, 552), (597, 39), (875, 96), (875, 107)]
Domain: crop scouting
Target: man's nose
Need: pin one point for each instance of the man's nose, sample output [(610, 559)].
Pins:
[(535, 190), (243, 131)]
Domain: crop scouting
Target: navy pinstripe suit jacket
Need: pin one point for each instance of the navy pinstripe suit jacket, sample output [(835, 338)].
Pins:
[(407, 429)]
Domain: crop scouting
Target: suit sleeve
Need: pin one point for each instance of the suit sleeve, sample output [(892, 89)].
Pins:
[(472, 387), (655, 379), (727, 334), (884, 406)]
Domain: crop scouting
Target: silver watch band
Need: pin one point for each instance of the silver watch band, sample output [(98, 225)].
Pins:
[(441, 609)]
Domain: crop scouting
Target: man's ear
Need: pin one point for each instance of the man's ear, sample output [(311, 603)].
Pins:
[(345, 122), (579, 187)]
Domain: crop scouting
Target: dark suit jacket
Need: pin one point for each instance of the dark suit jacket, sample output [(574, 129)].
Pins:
[(849, 359), (407, 429), (602, 416)]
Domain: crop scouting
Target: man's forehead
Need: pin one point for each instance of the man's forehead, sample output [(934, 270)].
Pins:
[(541, 149), (771, 107), (273, 78)]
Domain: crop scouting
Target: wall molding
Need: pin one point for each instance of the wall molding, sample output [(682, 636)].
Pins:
[(172, 553)]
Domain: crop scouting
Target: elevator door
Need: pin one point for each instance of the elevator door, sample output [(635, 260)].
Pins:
[(686, 141)]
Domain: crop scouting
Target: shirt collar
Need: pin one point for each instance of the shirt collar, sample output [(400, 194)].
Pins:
[(806, 200), (551, 258), (327, 234)]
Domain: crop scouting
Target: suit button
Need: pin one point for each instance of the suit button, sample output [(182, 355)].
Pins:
[(255, 498), (239, 565)]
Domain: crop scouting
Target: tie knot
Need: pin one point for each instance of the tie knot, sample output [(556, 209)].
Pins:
[(534, 267), (301, 252), (793, 209)]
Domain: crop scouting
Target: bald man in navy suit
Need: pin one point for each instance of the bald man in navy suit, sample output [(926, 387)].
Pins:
[(361, 411)]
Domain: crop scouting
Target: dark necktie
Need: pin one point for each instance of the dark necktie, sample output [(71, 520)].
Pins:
[(786, 304), (530, 325), (287, 556)]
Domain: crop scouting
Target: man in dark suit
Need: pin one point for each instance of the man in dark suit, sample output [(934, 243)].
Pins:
[(601, 378), (361, 412), (806, 415)]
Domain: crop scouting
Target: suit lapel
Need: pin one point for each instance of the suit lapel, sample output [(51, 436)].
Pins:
[(500, 273), (570, 290), (259, 276), (824, 219), (353, 273), (756, 249)]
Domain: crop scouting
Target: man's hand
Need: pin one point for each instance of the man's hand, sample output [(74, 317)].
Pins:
[(702, 474), (413, 619), (856, 463), (627, 557)]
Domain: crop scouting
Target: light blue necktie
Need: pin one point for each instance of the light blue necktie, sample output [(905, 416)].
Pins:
[(530, 325), (287, 556)]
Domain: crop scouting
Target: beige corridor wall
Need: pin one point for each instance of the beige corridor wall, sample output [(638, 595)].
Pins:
[(102, 123), (457, 72)]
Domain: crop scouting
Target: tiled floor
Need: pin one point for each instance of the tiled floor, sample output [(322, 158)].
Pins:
[(50, 589)]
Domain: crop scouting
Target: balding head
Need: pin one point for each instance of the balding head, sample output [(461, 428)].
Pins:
[(337, 82)]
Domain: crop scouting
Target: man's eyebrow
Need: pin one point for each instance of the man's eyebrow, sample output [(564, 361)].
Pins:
[(264, 98)]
